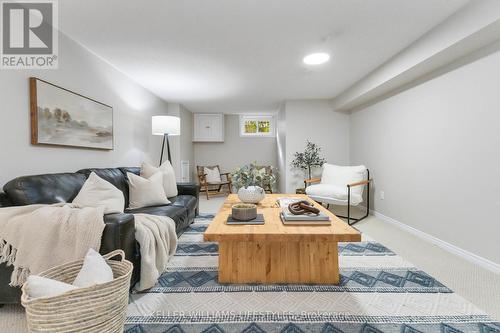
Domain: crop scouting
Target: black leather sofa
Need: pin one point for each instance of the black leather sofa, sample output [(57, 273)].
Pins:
[(119, 232)]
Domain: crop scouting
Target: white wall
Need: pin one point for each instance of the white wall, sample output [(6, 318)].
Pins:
[(236, 151), (435, 151), (82, 72), (315, 121), (186, 146), (281, 146), (181, 147)]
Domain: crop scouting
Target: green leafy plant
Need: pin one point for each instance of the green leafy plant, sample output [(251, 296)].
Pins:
[(254, 175), (309, 158)]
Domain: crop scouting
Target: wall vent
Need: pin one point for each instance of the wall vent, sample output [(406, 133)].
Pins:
[(185, 171)]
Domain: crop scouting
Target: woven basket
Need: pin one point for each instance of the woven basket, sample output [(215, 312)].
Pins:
[(99, 308)]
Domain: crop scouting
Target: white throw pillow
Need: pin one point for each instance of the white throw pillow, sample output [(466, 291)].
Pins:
[(95, 270), (169, 182), (212, 175), (97, 192), (145, 192), (37, 286)]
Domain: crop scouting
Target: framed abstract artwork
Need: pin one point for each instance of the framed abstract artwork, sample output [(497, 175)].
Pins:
[(62, 117)]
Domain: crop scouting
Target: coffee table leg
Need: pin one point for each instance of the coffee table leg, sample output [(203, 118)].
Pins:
[(225, 260), (278, 262), (328, 260)]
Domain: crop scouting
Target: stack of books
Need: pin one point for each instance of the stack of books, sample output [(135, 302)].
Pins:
[(306, 219)]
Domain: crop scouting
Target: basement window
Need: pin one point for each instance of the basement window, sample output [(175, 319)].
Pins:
[(257, 126)]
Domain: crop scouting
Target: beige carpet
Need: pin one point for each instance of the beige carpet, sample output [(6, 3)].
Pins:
[(479, 286), (12, 319)]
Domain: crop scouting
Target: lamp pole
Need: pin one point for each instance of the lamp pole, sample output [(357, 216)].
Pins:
[(165, 138)]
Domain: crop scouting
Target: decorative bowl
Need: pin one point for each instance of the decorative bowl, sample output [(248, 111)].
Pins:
[(251, 194), (244, 212)]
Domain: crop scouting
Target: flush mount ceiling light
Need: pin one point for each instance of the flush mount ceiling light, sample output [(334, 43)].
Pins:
[(316, 58)]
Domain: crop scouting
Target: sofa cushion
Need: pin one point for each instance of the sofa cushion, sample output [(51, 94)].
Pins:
[(8, 294), (44, 189), (113, 175), (4, 200), (187, 201), (134, 170), (333, 194), (177, 213)]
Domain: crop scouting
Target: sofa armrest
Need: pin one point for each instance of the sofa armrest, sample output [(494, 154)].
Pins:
[(119, 233), (363, 182), (190, 189), (4, 200), (227, 175), (310, 181)]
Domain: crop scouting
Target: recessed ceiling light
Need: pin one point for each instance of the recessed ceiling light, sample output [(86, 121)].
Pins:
[(316, 58)]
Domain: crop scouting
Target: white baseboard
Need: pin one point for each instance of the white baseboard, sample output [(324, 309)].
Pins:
[(469, 256)]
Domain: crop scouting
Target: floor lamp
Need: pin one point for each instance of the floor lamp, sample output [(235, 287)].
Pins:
[(166, 126)]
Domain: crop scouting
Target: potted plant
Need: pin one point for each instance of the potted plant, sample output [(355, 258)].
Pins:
[(309, 158), (250, 181)]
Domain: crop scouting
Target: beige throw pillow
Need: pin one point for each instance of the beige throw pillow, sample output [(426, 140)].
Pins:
[(37, 286), (146, 192), (212, 175), (97, 192), (166, 169), (95, 270)]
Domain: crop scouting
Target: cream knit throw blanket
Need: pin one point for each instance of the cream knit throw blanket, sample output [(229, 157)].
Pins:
[(158, 242), (35, 238)]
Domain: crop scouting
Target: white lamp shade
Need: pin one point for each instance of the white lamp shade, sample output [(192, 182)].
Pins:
[(162, 125)]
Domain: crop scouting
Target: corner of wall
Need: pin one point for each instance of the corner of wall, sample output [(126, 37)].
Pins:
[(281, 145)]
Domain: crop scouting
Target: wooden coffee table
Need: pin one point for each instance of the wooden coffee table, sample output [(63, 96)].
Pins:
[(277, 253)]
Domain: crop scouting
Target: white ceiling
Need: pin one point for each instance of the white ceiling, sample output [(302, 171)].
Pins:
[(246, 55)]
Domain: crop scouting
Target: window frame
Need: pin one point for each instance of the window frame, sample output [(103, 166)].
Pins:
[(257, 118)]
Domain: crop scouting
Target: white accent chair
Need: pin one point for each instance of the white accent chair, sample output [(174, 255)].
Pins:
[(341, 185)]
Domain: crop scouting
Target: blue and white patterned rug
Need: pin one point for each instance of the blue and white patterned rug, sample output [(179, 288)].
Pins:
[(378, 292)]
